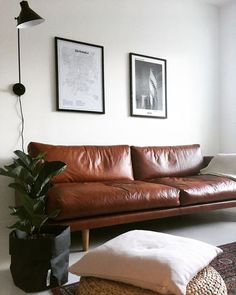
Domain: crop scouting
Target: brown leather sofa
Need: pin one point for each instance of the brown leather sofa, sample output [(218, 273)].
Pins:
[(108, 185)]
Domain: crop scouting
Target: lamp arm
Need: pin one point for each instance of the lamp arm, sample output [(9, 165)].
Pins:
[(26, 18), (19, 88), (19, 54)]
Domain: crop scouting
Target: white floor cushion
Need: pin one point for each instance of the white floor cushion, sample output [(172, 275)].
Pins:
[(160, 262)]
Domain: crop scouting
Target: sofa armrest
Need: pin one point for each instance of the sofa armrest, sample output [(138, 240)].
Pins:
[(206, 160)]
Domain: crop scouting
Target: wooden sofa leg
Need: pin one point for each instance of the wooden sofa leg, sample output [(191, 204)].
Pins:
[(85, 239)]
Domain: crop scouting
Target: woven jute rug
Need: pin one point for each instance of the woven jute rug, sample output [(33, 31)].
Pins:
[(224, 264)]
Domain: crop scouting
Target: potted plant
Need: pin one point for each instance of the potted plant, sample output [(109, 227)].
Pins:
[(39, 251)]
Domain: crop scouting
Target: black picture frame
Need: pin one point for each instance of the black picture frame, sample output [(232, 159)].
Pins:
[(79, 76), (148, 86)]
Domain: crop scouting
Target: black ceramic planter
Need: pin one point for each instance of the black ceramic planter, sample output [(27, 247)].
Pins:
[(40, 264)]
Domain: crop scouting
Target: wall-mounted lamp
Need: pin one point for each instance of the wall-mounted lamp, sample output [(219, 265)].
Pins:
[(27, 18)]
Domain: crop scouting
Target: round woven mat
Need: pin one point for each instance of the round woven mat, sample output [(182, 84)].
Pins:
[(207, 281)]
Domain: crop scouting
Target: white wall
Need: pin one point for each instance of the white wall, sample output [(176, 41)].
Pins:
[(228, 77), (185, 32)]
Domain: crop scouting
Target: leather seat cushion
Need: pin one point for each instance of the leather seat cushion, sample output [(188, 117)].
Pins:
[(77, 200), (201, 188)]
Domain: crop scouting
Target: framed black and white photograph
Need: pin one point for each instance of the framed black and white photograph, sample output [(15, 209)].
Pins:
[(80, 76), (148, 95)]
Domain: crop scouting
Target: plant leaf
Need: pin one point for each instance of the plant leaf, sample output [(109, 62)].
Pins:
[(23, 226), (32, 176), (39, 205), (27, 203), (11, 172), (49, 169), (24, 159), (54, 213), (18, 187), (20, 212)]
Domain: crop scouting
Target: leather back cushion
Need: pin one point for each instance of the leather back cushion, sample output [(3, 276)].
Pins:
[(88, 163), (153, 162)]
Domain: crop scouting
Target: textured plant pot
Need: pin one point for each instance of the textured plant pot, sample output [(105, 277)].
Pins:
[(40, 264)]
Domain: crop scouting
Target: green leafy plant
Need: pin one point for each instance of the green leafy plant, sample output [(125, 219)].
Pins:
[(32, 177)]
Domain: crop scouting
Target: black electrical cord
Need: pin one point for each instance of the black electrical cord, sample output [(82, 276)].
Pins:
[(22, 124)]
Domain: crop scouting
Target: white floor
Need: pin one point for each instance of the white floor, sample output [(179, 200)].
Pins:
[(215, 227)]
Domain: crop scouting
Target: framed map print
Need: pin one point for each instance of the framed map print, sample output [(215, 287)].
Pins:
[(80, 76), (148, 96)]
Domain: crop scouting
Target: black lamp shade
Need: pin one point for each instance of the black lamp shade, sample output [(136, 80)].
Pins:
[(27, 17)]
